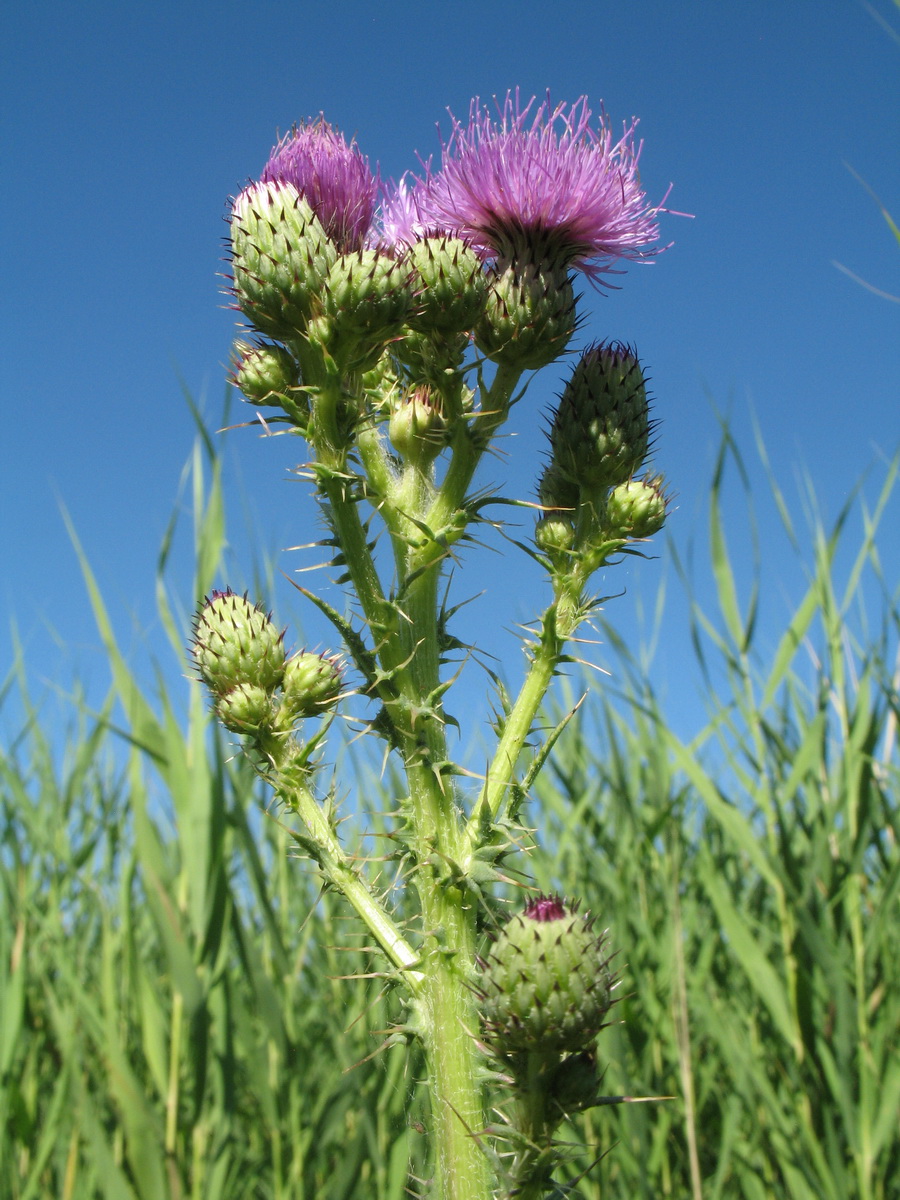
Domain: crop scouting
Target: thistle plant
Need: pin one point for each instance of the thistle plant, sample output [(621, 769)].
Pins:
[(391, 327)]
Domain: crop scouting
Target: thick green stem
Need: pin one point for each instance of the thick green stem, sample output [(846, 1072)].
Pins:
[(449, 1016)]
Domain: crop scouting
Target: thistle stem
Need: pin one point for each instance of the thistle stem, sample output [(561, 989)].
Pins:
[(335, 865)]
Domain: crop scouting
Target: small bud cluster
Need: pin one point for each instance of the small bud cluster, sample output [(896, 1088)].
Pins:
[(600, 436), (255, 687)]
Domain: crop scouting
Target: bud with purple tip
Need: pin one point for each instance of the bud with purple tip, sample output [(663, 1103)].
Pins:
[(546, 983), (235, 644)]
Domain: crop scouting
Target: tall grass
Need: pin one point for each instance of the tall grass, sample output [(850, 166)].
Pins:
[(752, 878), (185, 1015)]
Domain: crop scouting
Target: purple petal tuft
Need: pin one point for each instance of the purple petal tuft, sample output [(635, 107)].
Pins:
[(334, 178), (543, 185)]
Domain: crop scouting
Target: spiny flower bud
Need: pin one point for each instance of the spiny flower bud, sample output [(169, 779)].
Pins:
[(264, 372), (555, 534), (601, 429), (529, 317), (637, 508), (312, 683), (236, 643), (417, 426), (281, 258), (246, 708), (546, 983), (366, 300), (453, 285)]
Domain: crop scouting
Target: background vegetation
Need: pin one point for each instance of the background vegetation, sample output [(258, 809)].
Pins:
[(184, 1014)]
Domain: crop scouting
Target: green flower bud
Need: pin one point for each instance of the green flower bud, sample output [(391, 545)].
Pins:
[(264, 372), (366, 301), (245, 709), (637, 508), (281, 256), (312, 683), (453, 285), (554, 535), (235, 643), (601, 430), (529, 317), (546, 983), (417, 426)]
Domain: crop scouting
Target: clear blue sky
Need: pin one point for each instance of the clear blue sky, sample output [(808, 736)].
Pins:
[(127, 126)]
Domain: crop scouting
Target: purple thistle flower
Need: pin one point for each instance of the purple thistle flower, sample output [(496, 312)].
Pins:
[(334, 178), (401, 222), (544, 187)]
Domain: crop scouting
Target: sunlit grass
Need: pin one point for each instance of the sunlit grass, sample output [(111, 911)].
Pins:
[(184, 1014)]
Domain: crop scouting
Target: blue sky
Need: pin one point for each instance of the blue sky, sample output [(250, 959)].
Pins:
[(127, 127)]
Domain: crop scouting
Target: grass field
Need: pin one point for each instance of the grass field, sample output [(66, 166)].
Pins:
[(184, 1014)]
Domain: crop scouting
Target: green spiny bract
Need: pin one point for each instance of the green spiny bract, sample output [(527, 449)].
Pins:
[(601, 430), (636, 508), (235, 643), (555, 535), (281, 257), (248, 708), (545, 984), (556, 490), (452, 285), (529, 316), (366, 300), (311, 684), (417, 425), (264, 372)]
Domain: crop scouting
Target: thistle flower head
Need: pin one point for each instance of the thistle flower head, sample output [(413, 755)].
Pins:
[(333, 177), (545, 983), (543, 184)]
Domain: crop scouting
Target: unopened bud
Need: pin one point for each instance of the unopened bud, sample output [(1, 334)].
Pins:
[(555, 535), (281, 258), (264, 372), (245, 709), (637, 508), (546, 983), (556, 490), (366, 300), (601, 431), (452, 285), (312, 684), (236, 643), (417, 426)]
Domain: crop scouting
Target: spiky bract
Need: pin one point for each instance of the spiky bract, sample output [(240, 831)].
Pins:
[(311, 684), (452, 285), (529, 317), (637, 508), (601, 429), (546, 982), (264, 372), (281, 256), (235, 644)]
